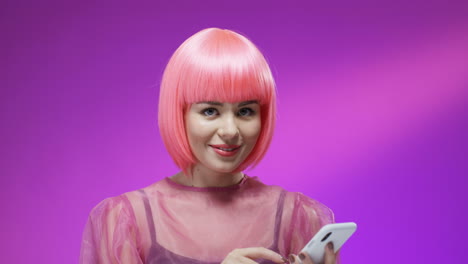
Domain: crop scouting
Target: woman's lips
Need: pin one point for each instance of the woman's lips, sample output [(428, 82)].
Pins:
[(226, 150)]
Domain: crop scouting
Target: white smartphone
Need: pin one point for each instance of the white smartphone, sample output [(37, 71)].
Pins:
[(335, 233)]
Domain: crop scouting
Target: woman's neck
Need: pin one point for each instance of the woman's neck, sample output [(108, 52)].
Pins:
[(203, 177)]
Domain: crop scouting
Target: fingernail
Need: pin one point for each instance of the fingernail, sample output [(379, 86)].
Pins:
[(284, 259), (330, 246), (302, 256), (291, 259)]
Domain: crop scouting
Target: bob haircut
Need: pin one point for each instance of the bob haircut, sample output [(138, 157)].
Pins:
[(214, 65)]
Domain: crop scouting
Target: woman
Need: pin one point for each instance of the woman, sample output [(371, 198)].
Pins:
[(216, 117)]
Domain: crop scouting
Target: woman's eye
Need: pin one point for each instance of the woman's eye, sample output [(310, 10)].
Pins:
[(209, 112), (246, 112)]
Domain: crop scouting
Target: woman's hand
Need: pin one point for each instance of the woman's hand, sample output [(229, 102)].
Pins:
[(303, 258), (248, 255)]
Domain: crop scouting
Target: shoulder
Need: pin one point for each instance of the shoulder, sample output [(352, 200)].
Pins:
[(111, 206), (254, 182), (295, 198), (303, 200), (297, 204), (294, 201), (131, 198), (315, 208), (121, 206)]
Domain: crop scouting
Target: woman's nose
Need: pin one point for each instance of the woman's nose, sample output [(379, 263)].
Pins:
[(228, 128)]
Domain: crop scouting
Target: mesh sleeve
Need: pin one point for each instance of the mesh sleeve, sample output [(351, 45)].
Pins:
[(307, 218), (111, 234)]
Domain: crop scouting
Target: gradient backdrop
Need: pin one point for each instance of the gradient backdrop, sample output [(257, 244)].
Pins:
[(372, 117)]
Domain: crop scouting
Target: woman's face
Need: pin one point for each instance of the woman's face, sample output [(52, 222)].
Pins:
[(222, 135)]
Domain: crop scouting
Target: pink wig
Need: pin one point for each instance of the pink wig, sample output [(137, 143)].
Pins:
[(214, 65)]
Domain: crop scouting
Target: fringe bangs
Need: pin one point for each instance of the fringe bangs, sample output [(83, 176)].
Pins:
[(227, 70)]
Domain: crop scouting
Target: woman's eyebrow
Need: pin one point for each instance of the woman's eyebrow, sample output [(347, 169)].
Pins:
[(210, 103), (221, 104), (248, 102)]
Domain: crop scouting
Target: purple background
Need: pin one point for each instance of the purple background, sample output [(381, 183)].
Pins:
[(372, 117)]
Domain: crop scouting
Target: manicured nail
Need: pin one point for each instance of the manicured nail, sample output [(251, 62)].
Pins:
[(291, 259), (302, 256), (284, 259)]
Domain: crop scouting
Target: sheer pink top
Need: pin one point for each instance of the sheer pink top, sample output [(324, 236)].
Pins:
[(171, 223)]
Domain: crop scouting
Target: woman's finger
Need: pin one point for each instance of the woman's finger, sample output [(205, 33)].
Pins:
[(257, 253), (305, 258), (330, 257), (293, 259), (238, 260)]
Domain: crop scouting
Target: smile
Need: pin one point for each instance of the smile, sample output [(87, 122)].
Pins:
[(231, 149), (225, 151)]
